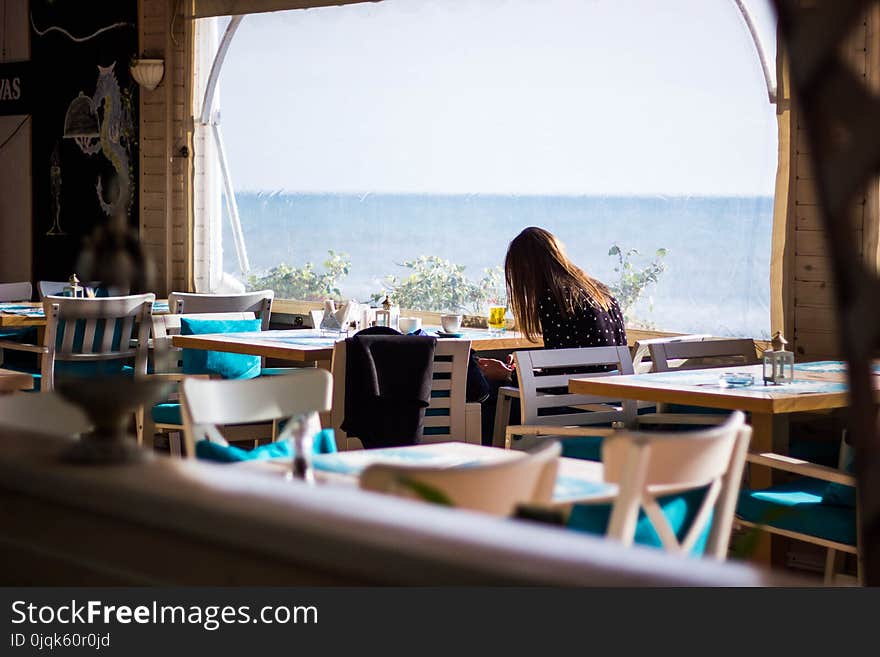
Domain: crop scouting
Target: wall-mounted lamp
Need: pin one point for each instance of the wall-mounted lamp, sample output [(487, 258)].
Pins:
[(147, 72)]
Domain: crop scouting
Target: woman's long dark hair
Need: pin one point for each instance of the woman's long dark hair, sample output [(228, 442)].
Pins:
[(536, 265)]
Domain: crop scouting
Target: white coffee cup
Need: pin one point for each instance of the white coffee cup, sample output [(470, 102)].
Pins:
[(450, 323), (409, 324)]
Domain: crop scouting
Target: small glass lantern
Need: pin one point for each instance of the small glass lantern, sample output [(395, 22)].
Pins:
[(383, 316), (778, 363), (73, 288)]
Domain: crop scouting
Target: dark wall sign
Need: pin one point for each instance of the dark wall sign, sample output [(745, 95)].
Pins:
[(15, 88), (85, 125)]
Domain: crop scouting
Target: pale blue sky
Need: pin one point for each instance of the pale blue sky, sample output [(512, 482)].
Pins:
[(612, 97)]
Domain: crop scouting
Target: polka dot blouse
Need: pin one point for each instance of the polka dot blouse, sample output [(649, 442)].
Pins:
[(590, 326)]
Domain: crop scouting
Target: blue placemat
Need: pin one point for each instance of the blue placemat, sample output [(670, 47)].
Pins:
[(572, 488), (354, 462), (160, 307), (27, 311), (6, 307), (828, 367), (709, 380)]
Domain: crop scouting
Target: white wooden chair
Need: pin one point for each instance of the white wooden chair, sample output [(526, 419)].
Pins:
[(650, 466), (93, 331), (259, 303), (46, 413), (495, 488), (685, 355), (809, 499), (449, 417), (51, 288), (542, 408), (642, 362), (16, 291), (210, 404)]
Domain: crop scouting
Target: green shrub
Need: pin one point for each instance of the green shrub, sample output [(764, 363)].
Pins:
[(439, 285), (632, 281), (304, 283)]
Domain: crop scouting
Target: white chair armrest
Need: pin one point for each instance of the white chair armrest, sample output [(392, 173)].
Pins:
[(803, 468)]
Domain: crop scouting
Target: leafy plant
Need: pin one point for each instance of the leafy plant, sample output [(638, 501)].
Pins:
[(439, 285), (305, 283), (632, 281), (426, 492)]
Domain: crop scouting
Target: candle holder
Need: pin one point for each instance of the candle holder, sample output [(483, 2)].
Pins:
[(778, 364)]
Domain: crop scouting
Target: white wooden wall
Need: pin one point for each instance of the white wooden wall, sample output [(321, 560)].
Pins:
[(166, 145)]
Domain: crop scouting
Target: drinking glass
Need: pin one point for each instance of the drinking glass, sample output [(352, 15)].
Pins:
[(496, 319)]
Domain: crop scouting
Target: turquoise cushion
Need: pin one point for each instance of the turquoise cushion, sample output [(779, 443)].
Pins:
[(168, 413), (588, 448), (225, 365), (698, 410), (680, 510), (799, 506), (323, 442)]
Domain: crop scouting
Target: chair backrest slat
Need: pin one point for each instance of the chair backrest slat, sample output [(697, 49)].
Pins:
[(537, 370), (70, 328), (259, 303), (107, 337), (708, 353), (88, 343)]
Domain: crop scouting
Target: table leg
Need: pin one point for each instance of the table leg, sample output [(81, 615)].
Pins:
[(327, 419), (769, 434)]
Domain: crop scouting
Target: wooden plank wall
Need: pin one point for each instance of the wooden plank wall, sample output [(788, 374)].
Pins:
[(815, 332), (166, 145)]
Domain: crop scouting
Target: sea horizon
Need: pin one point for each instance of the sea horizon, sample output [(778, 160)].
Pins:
[(717, 267)]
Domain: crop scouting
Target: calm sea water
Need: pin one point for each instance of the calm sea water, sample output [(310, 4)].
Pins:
[(717, 267)]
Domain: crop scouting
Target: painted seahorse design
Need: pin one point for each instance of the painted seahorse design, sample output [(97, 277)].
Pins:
[(112, 128)]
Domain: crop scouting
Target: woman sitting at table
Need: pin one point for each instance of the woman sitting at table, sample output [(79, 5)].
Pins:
[(552, 297)]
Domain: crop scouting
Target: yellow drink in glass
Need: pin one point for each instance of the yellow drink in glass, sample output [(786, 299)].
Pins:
[(496, 318)]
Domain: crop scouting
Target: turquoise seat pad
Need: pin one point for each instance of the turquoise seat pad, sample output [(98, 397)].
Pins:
[(587, 448), (680, 510), (167, 413), (799, 506), (223, 364), (323, 442)]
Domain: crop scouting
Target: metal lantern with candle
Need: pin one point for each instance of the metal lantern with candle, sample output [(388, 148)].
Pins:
[(73, 288), (778, 363), (383, 316)]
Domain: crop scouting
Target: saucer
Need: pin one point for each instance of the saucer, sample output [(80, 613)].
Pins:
[(444, 334)]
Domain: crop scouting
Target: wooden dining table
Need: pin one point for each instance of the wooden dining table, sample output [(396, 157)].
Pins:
[(313, 346), (817, 386), (24, 314), (577, 481)]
